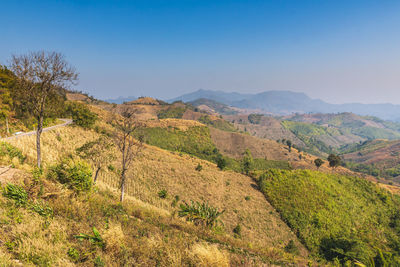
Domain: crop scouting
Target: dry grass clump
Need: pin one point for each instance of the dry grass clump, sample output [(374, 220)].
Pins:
[(114, 237), (208, 255)]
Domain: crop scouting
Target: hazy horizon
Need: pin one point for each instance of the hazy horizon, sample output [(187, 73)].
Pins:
[(245, 92), (336, 51)]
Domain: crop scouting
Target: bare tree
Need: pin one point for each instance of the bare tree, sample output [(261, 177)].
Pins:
[(98, 152), (40, 75), (125, 126)]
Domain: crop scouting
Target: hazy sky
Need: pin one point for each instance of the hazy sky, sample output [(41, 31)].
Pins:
[(339, 51)]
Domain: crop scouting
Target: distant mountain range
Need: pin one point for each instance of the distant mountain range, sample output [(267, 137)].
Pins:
[(287, 102)]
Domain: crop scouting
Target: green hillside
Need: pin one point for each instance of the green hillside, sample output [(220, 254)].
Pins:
[(335, 216), (318, 139)]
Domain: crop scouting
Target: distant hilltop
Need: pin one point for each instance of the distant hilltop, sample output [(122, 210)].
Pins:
[(287, 102)]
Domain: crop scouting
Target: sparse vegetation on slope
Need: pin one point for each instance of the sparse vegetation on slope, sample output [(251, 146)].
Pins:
[(263, 234)]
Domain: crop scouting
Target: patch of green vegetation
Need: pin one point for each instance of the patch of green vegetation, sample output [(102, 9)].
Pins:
[(374, 169), (197, 141), (194, 141), (76, 174), (171, 112), (16, 193), (264, 164), (200, 213), (219, 123), (255, 118), (11, 151), (375, 133), (312, 135), (81, 114), (336, 217)]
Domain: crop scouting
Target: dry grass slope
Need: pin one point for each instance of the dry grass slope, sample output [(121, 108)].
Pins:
[(158, 169)]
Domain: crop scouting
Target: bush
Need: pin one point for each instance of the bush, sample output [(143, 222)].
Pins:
[(200, 213), (221, 163), (16, 193), (81, 115), (42, 209), (237, 231), (199, 167), (76, 174), (73, 254), (292, 248), (163, 193), (95, 239), (318, 162)]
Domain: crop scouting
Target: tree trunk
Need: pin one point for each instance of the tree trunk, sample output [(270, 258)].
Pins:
[(38, 133), (96, 174), (122, 186), (8, 129)]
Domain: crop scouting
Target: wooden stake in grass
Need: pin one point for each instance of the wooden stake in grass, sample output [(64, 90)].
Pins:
[(124, 128)]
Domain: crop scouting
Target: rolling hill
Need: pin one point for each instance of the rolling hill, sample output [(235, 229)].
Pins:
[(287, 102), (379, 158)]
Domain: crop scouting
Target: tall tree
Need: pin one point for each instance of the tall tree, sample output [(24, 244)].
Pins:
[(247, 161), (334, 160), (125, 126), (40, 78), (318, 162), (98, 152)]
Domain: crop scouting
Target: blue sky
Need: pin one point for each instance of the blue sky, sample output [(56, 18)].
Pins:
[(339, 51)]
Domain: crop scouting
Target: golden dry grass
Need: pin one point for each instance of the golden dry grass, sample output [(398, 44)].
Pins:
[(134, 234), (206, 255), (158, 169), (55, 144)]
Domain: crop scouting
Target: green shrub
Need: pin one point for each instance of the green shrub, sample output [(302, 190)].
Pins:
[(98, 262), (73, 254), (199, 167), (237, 231), (42, 209), (94, 239), (247, 198), (76, 174), (81, 115), (221, 162), (292, 248), (163, 193), (200, 213), (16, 193)]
